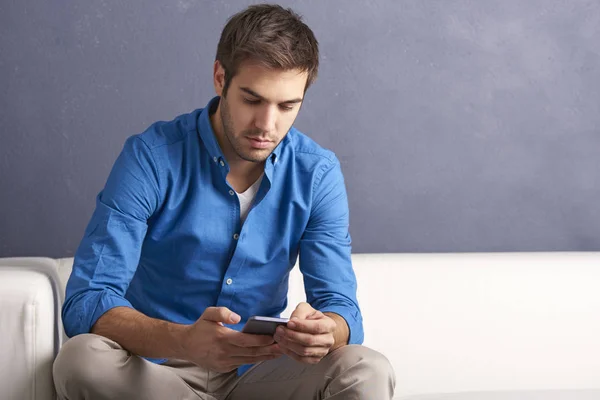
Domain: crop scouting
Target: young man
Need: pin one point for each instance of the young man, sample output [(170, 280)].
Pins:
[(196, 230)]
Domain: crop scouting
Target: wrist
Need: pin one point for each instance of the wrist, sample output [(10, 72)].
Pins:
[(179, 338), (341, 333)]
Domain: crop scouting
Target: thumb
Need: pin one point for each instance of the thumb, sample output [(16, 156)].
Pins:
[(302, 311), (315, 315), (220, 314)]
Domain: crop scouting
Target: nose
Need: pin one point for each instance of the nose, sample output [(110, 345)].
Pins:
[(265, 118)]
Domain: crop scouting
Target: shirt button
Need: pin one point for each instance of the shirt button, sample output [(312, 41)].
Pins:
[(215, 159), (229, 281), (231, 192), (236, 236), (222, 163)]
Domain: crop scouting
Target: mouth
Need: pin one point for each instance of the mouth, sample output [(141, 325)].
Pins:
[(259, 143)]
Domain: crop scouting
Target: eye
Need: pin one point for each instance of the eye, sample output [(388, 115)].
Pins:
[(286, 108), (250, 101)]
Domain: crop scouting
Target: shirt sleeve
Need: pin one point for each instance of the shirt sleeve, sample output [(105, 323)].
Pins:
[(109, 252), (325, 253)]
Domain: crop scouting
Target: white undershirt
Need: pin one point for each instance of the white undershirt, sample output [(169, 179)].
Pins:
[(247, 198)]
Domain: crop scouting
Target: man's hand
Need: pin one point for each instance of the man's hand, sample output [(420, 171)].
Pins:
[(209, 344), (309, 335)]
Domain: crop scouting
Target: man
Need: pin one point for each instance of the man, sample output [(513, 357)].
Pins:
[(196, 230)]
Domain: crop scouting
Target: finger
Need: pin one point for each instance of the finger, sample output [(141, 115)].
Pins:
[(220, 314), (316, 315), (301, 350), (314, 326), (249, 340), (302, 310), (305, 339), (302, 359)]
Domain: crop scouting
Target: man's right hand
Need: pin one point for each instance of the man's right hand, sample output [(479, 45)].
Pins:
[(211, 345)]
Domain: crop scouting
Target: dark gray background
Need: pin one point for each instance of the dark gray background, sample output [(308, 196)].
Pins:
[(461, 125)]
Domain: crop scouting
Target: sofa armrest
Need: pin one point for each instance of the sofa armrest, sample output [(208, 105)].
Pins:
[(29, 327)]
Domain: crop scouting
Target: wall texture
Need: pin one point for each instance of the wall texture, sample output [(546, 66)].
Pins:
[(461, 125)]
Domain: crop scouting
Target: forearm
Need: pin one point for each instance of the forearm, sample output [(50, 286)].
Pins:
[(142, 335), (341, 333)]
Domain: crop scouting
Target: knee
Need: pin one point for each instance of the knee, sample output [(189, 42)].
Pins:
[(370, 364), (80, 362)]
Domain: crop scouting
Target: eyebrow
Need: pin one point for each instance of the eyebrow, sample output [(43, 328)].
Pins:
[(253, 93)]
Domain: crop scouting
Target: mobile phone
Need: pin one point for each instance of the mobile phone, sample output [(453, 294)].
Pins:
[(263, 325)]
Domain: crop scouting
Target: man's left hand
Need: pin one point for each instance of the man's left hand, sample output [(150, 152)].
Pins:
[(308, 336)]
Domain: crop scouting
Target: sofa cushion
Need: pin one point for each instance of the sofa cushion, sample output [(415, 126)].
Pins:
[(451, 323)]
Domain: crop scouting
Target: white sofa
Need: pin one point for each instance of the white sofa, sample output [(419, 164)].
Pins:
[(486, 326)]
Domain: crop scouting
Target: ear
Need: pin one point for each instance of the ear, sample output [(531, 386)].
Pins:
[(218, 78)]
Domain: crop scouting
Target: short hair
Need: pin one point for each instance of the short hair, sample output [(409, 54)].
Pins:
[(272, 36)]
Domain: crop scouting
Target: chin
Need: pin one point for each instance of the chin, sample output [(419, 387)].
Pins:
[(257, 156)]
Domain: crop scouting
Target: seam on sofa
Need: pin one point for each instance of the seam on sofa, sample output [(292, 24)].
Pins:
[(32, 316)]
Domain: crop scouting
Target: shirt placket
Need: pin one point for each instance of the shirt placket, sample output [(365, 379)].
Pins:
[(233, 274)]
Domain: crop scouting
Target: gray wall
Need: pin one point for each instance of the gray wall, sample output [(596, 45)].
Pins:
[(461, 125)]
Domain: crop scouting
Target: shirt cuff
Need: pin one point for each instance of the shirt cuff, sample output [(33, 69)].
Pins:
[(353, 319), (107, 301)]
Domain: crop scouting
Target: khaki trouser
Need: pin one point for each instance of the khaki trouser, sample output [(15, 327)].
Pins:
[(94, 367)]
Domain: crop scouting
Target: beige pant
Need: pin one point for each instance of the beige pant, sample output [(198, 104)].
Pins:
[(94, 367)]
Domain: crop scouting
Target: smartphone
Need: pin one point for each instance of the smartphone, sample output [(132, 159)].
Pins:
[(263, 325)]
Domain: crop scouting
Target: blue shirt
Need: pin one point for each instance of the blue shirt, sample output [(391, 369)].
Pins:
[(166, 237)]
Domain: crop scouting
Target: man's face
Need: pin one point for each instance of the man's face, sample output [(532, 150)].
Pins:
[(259, 108)]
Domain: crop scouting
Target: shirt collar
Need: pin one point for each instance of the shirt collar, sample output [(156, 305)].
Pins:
[(205, 130), (207, 134)]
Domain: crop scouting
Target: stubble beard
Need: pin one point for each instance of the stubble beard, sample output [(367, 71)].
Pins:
[(255, 156)]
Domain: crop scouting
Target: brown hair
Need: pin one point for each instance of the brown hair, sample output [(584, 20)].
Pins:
[(272, 36)]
